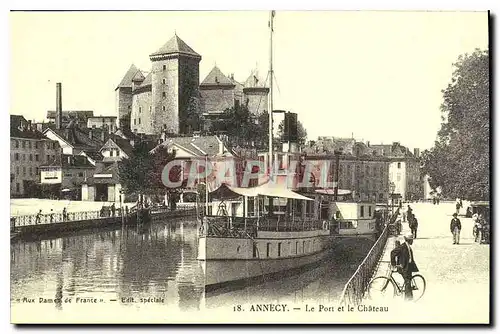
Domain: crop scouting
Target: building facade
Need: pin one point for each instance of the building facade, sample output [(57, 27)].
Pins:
[(29, 150)]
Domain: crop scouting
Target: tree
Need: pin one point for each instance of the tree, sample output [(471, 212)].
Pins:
[(141, 173), (301, 132), (459, 160)]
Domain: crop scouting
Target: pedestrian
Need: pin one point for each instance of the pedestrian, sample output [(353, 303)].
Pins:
[(51, 215), (457, 206), (414, 226), (437, 200), (402, 259), (126, 209), (113, 209), (38, 219), (434, 200), (455, 228), (64, 214)]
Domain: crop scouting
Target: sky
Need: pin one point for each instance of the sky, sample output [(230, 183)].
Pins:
[(377, 76)]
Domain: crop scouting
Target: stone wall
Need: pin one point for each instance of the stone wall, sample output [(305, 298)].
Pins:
[(141, 119)]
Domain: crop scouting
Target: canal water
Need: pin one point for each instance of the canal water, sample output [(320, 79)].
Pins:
[(150, 270)]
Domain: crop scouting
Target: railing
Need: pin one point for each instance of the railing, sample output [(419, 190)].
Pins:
[(54, 218), (355, 288)]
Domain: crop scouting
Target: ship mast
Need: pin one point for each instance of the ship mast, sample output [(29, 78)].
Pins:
[(271, 166)]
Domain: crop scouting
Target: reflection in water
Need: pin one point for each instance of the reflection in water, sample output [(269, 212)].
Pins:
[(155, 261)]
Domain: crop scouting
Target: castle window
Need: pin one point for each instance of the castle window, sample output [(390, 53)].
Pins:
[(24, 144), (163, 108), (139, 120), (134, 121), (17, 144), (164, 81), (149, 108), (164, 67), (140, 109), (163, 94), (399, 164), (29, 144)]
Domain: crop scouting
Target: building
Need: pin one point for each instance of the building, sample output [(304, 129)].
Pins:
[(65, 176), (77, 117), (164, 97), (404, 170), (102, 122), (73, 140), (361, 170), (29, 149)]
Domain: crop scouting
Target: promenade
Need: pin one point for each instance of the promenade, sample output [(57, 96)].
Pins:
[(457, 275)]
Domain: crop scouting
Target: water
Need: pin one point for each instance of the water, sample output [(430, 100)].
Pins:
[(157, 262)]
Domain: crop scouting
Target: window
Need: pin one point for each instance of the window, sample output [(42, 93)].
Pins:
[(370, 210), (48, 158), (36, 144), (31, 156), (17, 170), (279, 249), (24, 157), (139, 120), (24, 171), (164, 67), (150, 110), (268, 250), (80, 174), (16, 155), (134, 121), (37, 157), (23, 144), (164, 81), (362, 214), (399, 164), (254, 250), (140, 110), (163, 108), (31, 171), (29, 144), (303, 246), (164, 95), (17, 188), (296, 247), (17, 144), (117, 153), (111, 153)]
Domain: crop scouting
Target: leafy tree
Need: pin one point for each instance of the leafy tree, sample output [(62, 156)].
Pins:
[(459, 160), (301, 132)]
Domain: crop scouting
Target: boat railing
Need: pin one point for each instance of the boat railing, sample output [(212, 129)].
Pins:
[(238, 227), (355, 288)]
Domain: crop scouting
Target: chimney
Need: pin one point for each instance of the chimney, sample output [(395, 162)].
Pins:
[(416, 152), (368, 143), (58, 106), (103, 135)]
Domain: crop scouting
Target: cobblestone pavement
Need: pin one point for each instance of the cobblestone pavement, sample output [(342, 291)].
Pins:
[(457, 276)]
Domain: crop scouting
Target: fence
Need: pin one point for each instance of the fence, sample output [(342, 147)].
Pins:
[(355, 288), (53, 218)]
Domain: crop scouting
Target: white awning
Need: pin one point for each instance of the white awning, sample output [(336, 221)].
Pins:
[(267, 189)]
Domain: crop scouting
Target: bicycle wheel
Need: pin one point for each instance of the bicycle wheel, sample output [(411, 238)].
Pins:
[(381, 287), (418, 286)]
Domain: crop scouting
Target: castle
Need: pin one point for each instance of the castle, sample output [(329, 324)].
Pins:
[(161, 100)]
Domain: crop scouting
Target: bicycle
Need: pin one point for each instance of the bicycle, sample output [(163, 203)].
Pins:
[(388, 287)]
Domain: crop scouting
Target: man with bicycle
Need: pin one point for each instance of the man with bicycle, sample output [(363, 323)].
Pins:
[(402, 259)]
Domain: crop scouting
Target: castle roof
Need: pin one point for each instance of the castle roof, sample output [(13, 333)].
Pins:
[(175, 45), (147, 81), (216, 78), (254, 81), (129, 76)]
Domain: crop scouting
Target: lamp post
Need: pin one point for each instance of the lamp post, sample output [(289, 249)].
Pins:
[(393, 187)]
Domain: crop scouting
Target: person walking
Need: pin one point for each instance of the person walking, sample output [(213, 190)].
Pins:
[(457, 206), (113, 209), (51, 215), (38, 219), (414, 226), (455, 227), (64, 215), (402, 258)]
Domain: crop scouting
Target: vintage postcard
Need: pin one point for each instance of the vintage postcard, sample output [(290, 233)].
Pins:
[(258, 167)]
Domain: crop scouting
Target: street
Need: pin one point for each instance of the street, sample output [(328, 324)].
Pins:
[(457, 276)]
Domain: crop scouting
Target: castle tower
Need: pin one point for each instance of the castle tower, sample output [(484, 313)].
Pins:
[(217, 91), (175, 77), (124, 97), (255, 94)]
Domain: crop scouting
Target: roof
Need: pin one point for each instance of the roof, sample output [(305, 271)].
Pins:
[(98, 117), (175, 45), (82, 114), (254, 81), (394, 150), (328, 145), (147, 80), (216, 78), (105, 175), (199, 146), (78, 138), (266, 189), (122, 143), (128, 77), (94, 155), (21, 128)]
